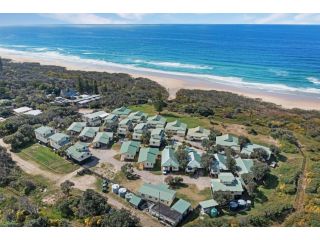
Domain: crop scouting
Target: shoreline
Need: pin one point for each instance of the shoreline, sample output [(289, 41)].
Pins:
[(174, 82)]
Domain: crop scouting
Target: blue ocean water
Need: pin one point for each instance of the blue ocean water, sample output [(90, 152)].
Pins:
[(283, 56)]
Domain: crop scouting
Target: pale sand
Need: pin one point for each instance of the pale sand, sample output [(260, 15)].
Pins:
[(175, 82)]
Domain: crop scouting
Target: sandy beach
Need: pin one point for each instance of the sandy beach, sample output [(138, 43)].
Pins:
[(174, 82)]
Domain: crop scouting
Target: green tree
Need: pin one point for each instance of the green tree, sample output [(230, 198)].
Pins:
[(260, 170), (250, 184), (182, 156), (120, 218), (80, 86), (95, 87), (223, 198), (92, 204), (231, 164), (243, 141), (66, 187)]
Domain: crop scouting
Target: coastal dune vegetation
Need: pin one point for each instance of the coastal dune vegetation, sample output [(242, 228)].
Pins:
[(289, 196)]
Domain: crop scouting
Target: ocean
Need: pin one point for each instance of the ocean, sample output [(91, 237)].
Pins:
[(274, 57)]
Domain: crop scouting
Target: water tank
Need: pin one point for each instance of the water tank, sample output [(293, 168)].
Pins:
[(214, 212), (242, 203), (128, 196), (249, 203), (115, 188), (122, 192), (233, 205)]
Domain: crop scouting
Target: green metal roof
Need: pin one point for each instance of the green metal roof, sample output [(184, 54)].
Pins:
[(77, 150), (157, 119), (96, 114), (227, 140), (181, 206), (137, 115), (135, 200), (155, 191), (199, 132), (177, 126), (244, 165), (111, 118), (148, 155), (208, 203), (125, 121), (57, 137), (157, 131), (140, 126), (195, 160), (130, 147), (44, 130), (222, 161), (121, 111), (77, 126), (226, 182), (168, 158), (89, 132), (103, 137)]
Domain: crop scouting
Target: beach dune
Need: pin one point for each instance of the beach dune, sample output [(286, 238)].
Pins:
[(173, 82)]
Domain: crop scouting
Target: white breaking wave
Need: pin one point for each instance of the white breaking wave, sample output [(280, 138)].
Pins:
[(57, 57), (314, 80), (279, 73), (174, 64)]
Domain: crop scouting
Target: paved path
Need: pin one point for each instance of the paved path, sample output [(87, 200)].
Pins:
[(106, 156)]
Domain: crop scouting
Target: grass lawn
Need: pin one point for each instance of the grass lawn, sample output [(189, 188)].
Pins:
[(193, 195), (47, 159)]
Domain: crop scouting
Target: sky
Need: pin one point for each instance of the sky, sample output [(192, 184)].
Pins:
[(160, 18)]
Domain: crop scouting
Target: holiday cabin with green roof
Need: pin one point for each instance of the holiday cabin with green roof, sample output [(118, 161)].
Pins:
[(129, 150), (176, 128), (156, 121), (122, 112), (138, 117), (228, 140), (111, 122), (226, 182), (157, 193), (125, 126), (102, 139), (76, 127), (157, 136), (79, 152), (139, 130), (169, 160), (58, 140), (147, 158), (95, 119), (198, 134), (88, 133), (195, 162), (43, 133)]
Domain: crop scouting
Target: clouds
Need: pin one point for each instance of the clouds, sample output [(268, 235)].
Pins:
[(160, 18)]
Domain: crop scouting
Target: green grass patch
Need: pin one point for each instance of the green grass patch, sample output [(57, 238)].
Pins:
[(47, 159)]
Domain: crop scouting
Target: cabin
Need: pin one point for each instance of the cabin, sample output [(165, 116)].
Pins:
[(95, 119), (102, 139), (58, 140), (79, 152), (198, 134), (194, 162), (122, 112), (125, 126), (226, 182), (88, 133), (129, 150), (156, 121), (183, 207), (138, 117), (249, 148), (111, 122), (76, 128), (157, 137), (228, 140), (147, 158), (43, 133), (169, 161), (176, 128), (244, 165), (135, 201), (157, 193), (139, 131), (220, 161), (35, 112), (207, 205)]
